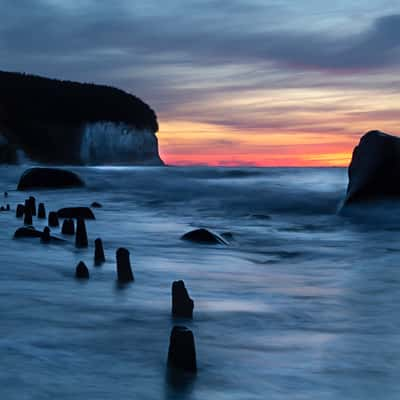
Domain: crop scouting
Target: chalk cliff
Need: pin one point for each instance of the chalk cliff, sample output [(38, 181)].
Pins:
[(61, 122)]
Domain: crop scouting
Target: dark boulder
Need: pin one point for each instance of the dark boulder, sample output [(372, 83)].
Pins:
[(76, 212), (81, 271), (182, 304), (54, 178), (182, 351), (124, 270), (68, 227), (8, 207), (99, 257), (374, 171), (203, 236)]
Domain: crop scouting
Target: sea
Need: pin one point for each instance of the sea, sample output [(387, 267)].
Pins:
[(302, 303)]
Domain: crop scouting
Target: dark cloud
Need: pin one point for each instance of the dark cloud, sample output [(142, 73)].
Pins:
[(45, 31), (171, 54)]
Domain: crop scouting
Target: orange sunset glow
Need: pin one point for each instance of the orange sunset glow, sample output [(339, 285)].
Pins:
[(312, 137)]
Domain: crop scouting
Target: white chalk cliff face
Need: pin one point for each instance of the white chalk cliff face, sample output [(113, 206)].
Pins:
[(118, 143), (374, 171)]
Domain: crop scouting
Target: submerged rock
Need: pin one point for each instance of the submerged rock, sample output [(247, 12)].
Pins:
[(27, 232), (124, 270), (76, 212), (374, 171), (54, 178), (31, 232), (182, 351), (203, 236), (81, 271), (182, 304), (95, 204)]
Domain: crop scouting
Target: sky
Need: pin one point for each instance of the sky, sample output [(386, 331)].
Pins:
[(233, 82)]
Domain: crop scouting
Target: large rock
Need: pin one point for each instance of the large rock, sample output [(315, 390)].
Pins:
[(54, 178), (374, 171), (203, 236), (76, 212)]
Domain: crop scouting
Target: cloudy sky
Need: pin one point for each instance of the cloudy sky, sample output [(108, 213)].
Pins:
[(255, 82)]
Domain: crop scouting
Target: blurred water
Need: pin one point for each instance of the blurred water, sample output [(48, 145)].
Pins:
[(303, 304)]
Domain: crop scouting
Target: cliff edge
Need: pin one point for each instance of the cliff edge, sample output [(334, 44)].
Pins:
[(62, 122)]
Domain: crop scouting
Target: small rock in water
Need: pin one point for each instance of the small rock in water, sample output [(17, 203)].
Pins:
[(53, 219), (20, 211), (27, 232), (76, 212), (8, 207), (41, 211), (5, 194), (95, 204), (203, 236), (46, 235), (28, 217), (2, 208), (124, 269), (99, 257), (81, 239), (68, 227), (82, 271), (182, 351), (182, 304)]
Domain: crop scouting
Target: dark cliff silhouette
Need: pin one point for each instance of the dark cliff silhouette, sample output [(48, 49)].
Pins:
[(44, 117)]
